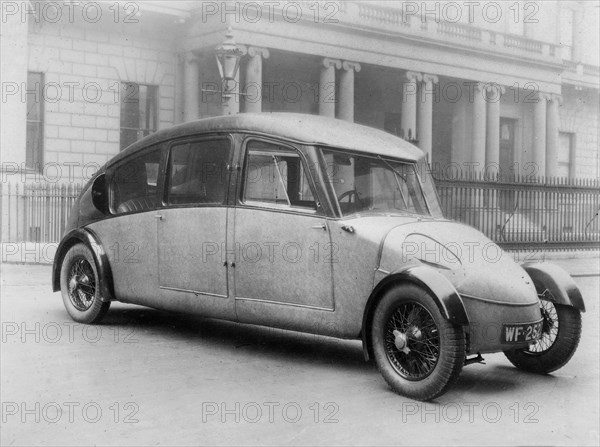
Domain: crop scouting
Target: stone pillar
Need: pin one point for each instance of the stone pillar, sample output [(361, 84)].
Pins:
[(191, 80), (539, 133), (327, 87), (424, 123), (492, 147), (253, 87), (408, 118), (346, 110), (552, 139), (479, 122)]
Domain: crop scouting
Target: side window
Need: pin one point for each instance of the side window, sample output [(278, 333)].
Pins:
[(198, 172), (276, 176), (133, 183)]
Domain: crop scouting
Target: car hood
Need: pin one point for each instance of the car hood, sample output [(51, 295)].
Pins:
[(475, 265)]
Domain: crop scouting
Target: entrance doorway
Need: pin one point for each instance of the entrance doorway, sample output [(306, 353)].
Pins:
[(507, 147), (506, 160)]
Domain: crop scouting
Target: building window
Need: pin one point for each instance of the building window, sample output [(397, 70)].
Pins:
[(566, 155), (138, 111), (35, 121), (566, 33)]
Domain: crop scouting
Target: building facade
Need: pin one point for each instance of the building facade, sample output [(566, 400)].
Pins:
[(501, 87)]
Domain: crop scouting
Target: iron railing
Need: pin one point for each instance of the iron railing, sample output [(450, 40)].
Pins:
[(35, 212), (516, 212), (519, 212)]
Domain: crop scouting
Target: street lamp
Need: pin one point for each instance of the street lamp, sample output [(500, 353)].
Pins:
[(228, 59)]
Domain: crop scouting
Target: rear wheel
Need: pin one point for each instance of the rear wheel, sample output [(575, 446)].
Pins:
[(561, 332), (419, 353), (80, 286)]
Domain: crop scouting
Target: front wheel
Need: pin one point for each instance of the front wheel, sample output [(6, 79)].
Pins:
[(80, 286), (419, 353), (561, 332)]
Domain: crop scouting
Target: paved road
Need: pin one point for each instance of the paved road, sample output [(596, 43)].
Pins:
[(148, 377)]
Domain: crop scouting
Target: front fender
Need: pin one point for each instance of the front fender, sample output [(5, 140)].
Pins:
[(441, 289), (91, 240), (555, 284)]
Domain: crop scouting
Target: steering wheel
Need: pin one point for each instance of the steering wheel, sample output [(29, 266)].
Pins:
[(352, 195)]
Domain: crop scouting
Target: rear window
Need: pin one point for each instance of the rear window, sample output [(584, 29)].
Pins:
[(133, 184)]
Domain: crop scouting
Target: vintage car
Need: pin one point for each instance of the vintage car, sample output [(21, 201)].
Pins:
[(317, 225)]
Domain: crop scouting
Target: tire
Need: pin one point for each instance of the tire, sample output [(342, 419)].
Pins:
[(417, 351), (560, 337), (80, 286)]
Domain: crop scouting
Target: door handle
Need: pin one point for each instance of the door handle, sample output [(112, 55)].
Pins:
[(348, 228), (320, 227), (158, 216)]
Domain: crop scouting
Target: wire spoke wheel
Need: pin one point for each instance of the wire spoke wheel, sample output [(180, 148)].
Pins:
[(418, 351), (81, 286), (412, 341), (561, 332), (549, 329)]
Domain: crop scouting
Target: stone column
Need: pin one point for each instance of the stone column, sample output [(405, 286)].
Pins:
[(492, 147), (425, 119), (552, 140), (191, 80), (408, 118), (346, 110), (479, 122), (327, 86), (539, 133), (253, 87)]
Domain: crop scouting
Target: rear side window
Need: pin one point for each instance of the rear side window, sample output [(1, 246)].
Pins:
[(197, 172), (133, 183)]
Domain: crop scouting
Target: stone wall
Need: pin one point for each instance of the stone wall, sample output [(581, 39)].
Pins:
[(83, 69)]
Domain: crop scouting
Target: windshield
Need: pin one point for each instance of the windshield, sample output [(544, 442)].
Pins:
[(373, 184)]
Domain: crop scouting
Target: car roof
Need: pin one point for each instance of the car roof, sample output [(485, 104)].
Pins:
[(298, 127)]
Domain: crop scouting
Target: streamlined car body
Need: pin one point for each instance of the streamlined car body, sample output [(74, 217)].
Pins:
[(317, 225)]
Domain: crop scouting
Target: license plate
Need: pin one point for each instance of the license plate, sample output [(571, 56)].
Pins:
[(517, 333)]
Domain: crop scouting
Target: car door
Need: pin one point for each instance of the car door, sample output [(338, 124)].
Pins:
[(283, 251), (192, 228)]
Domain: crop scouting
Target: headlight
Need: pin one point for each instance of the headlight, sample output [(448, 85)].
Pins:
[(429, 251)]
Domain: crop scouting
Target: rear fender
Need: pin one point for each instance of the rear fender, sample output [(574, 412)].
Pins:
[(555, 284), (90, 239)]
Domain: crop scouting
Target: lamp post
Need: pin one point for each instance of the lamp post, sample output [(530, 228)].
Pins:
[(228, 60)]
